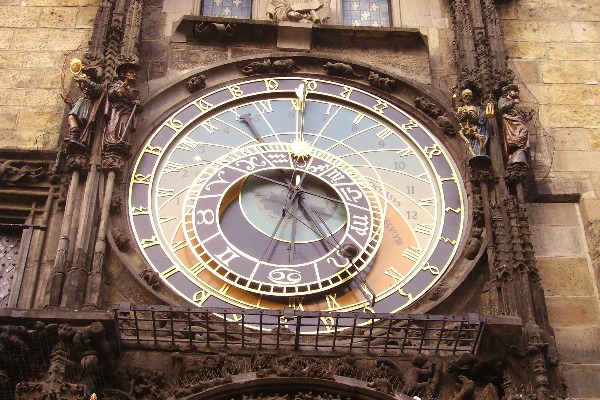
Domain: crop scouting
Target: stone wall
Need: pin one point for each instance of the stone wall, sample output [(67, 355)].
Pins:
[(37, 38), (554, 48)]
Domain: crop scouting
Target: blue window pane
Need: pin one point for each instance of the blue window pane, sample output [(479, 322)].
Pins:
[(227, 8), (366, 12)]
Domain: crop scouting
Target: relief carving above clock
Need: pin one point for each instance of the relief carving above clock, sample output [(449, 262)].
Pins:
[(296, 192)]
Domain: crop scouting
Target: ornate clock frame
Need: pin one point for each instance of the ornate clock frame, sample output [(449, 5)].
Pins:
[(420, 102), (496, 258)]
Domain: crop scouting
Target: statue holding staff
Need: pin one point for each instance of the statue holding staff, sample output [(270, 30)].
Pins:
[(123, 105), (516, 134)]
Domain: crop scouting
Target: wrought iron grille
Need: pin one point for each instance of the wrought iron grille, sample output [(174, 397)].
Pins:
[(10, 241), (11, 273), (169, 328)]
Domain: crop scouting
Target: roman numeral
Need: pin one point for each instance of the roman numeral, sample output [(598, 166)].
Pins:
[(265, 106), (145, 243), (424, 229), (169, 272), (175, 246), (171, 166), (197, 268), (210, 128), (332, 302), (357, 119), (427, 202), (405, 152), (187, 144), (384, 133), (412, 253), (165, 192), (296, 303), (394, 274)]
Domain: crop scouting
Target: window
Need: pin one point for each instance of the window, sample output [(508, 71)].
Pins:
[(366, 12), (227, 8)]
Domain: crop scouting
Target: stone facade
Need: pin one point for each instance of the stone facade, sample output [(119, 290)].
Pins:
[(36, 39), (552, 48)]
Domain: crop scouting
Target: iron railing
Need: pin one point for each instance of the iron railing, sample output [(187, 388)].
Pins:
[(163, 327)]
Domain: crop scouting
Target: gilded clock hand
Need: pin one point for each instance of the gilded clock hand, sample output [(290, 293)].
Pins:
[(346, 251), (301, 93), (299, 147)]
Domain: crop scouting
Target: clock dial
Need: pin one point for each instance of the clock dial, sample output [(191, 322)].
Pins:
[(279, 225), (256, 195)]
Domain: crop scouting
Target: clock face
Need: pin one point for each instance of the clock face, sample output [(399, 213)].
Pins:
[(296, 192)]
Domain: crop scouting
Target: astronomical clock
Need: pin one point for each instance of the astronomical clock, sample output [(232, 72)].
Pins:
[(296, 191)]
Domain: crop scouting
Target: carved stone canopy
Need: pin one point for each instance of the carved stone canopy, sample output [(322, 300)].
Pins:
[(249, 387)]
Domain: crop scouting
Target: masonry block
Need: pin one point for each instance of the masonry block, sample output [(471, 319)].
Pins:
[(552, 10), (563, 188), (573, 51), (85, 17), (19, 17), (58, 17), (578, 344), (573, 311), (568, 72), (580, 94), (577, 161), (582, 380), (568, 116), (586, 31), (52, 39), (526, 50), (572, 138), (565, 276), (527, 71), (538, 31), (556, 214), (557, 241)]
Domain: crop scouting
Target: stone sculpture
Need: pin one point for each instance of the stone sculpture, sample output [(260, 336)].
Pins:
[(516, 134)]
